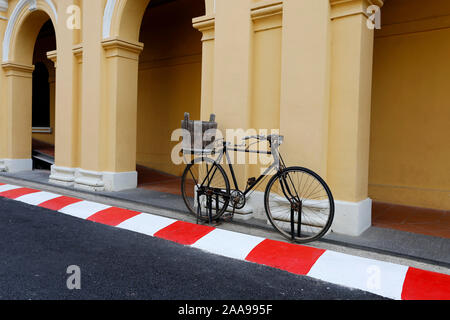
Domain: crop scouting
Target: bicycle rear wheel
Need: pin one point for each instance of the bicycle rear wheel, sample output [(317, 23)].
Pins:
[(299, 204), (205, 182)]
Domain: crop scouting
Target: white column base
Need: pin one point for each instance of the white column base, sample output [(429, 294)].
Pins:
[(352, 218), (89, 180), (62, 176), (16, 165), (105, 181), (120, 181)]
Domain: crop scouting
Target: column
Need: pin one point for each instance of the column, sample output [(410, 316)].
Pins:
[(3, 121), (206, 25), (232, 71), (66, 101), (305, 78), (351, 82), (122, 64), (92, 158), (16, 114), (108, 108), (232, 63)]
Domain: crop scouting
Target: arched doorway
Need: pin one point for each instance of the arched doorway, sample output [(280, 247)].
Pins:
[(122, 23), (169, 84), (22, 36), (43, 99)]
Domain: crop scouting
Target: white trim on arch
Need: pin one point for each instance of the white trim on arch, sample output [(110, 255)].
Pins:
[(13, 19), (107, 18)]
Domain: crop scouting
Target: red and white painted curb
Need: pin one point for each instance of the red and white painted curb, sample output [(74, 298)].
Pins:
[(382, 278)]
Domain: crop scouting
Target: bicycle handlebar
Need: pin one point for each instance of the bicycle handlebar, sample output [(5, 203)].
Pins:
[(275, 139), (254, 137), (271, 137)]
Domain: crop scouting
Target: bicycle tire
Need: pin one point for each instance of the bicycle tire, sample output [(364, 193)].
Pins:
[(280, 211), (189, 195)]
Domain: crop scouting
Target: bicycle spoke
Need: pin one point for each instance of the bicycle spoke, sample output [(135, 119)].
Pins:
[(299, 205), (208, 200)]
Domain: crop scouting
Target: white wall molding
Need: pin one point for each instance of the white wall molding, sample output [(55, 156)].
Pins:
[(96, 181), (21, 5), (16, 165), (89, 180), (62, 176), (352, 218), (120, 181)]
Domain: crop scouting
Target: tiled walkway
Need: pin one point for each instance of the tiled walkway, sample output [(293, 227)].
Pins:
[(157, 181), (43, 148), (416, 220)]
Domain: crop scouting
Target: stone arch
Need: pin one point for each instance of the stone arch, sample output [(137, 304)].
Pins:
[(123, 18), (23, 27), (25, 22), (121, 41)]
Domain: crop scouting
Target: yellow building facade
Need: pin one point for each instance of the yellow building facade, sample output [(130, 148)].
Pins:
[(366, 108)]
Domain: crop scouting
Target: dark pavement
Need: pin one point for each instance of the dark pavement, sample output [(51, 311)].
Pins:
[(38, 245)]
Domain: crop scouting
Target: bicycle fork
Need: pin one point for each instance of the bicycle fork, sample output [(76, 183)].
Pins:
[(296, 206)]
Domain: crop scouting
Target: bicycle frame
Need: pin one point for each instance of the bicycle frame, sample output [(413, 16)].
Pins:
[(219, 157), (278, 164)]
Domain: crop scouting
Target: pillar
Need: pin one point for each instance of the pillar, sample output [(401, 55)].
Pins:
[(304, 107), (206, 25), (351, 81), (16, 114), (66, 100), (122, 64), (89, 174), (232, 72), (15, 134), (232, 63)]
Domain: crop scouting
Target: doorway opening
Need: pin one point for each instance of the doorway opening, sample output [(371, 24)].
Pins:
[(409, 179), (169, 85), (43, 99)]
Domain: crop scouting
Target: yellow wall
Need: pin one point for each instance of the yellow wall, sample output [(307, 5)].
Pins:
[(266, 75), (169, 79), (410, 146)]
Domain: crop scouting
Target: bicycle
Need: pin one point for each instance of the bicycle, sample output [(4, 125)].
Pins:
[(298, 202)]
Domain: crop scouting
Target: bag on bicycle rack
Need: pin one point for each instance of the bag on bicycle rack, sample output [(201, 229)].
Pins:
[(198, 135)]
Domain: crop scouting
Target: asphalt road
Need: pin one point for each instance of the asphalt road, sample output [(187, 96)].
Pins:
[(38, 246)]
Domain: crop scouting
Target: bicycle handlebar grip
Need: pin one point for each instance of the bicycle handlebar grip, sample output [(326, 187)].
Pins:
[(255, 137)]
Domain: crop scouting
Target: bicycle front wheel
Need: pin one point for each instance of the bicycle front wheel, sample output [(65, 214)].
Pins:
[(205, 189), (299, 204)]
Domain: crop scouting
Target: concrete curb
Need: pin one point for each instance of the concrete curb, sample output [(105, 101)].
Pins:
[(382, 278)]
